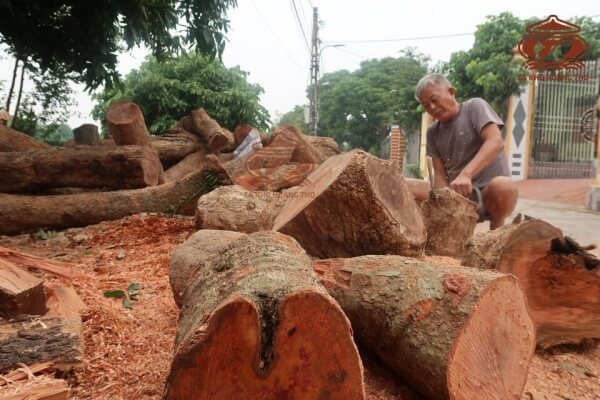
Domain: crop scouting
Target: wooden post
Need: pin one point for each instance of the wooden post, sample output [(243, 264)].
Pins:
[(86, 134)]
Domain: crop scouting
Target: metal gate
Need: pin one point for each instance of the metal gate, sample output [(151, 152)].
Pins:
[(565, 125)]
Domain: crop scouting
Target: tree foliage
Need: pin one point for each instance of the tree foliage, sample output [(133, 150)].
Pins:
[(358, 107), (84, 37), (167, 91), (294, 117)]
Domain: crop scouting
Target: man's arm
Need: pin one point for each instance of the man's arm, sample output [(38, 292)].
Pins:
[(492, 145)]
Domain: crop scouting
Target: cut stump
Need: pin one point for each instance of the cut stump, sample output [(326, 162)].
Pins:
[(86, 134), (126, 124), (21, 293)]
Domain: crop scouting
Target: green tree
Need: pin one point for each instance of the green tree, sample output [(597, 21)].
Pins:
[(294, 117), (84, 37), (169, 90)]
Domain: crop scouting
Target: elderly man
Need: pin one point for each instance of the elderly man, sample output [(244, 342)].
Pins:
[(466, 146)]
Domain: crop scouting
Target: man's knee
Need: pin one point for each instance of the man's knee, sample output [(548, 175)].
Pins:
[(500, 196)]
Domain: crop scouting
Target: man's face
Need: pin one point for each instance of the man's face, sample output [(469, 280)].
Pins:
[(439, 102)]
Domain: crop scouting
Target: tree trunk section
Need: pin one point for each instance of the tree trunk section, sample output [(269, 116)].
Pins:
[(86, 134), (304, 151), (12, 140), (561, 280), (20, 292), (254, 324), (210, 130), (174, 145), (327, 146), (124, 167), (451, 332), (275, 179), (20, 213), (233, 208), (126, 124), (354, 204), (192, 162), (450, 219)]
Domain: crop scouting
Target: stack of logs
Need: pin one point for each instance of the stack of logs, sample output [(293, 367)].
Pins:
[(275, 287)]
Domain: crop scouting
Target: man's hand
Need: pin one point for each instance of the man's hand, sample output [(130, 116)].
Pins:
[(462, 184)]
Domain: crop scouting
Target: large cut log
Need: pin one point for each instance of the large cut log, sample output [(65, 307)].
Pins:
[(21, 293), (561, 280), (210, 130), (275, 179), (450, 219), (254, 325), (192, 162), (304, 151), (19, 213), (451, 332), (124, 167), (354, 204), (277, 153), (173, 145), (126, 124), (195, 254), (327, 146), (233, 208), (11, 140), (86, 134)]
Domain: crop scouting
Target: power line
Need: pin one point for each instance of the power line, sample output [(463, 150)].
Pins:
[(300, 24), (264, 20), (399, 39), (311, 4), (305, 19)]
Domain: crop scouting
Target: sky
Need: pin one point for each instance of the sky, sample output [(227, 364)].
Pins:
[(265, 38)]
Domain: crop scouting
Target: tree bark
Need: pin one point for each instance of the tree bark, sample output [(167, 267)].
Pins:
[(86, 134), (450, 219), (561, 280), (233, 208), (124, 167), (192, 162), (20, 213), (254, 324), (174, 145), (354, 204), (327, 146), (304, 151), (451, 332), (275, 179), (20, 292), (12, 140), (126, 124), (210, 130)]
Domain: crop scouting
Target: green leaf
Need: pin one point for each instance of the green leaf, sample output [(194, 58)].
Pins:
[(117, 294), (133, 287)]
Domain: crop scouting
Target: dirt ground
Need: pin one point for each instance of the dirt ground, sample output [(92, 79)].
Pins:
[(128, 351)]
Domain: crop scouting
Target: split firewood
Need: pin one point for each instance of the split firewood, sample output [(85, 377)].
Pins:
[(21, 293), (86, 134), (26, 260), (275, 179), (450, 219), (354, 204), (19, 213), (451, 332), (190, 163), (210, 130), (33, 382), (560, 278), (195, 254), (255, 323), (173, 145), (124, 167), (233, 208), (12, 140), (126, 124)]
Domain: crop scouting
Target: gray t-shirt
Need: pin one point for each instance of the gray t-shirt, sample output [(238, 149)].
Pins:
[(456, 142)]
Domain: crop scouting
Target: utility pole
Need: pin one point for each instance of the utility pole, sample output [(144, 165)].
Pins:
[(314, 76)]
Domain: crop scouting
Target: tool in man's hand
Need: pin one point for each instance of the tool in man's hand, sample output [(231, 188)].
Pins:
[(430, 172)]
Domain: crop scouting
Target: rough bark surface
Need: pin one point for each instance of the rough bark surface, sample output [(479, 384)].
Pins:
[(126, 124), (192, 162), (450, 219), (210, 130), (124, 167), (11, 140), (327, 146), (233, 208), (173, 145), (21, 293), (275, 179), (451, 332), (304, 151), (561, 280), (354, 204), (254, 324), (86, 134), (20, 213)]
